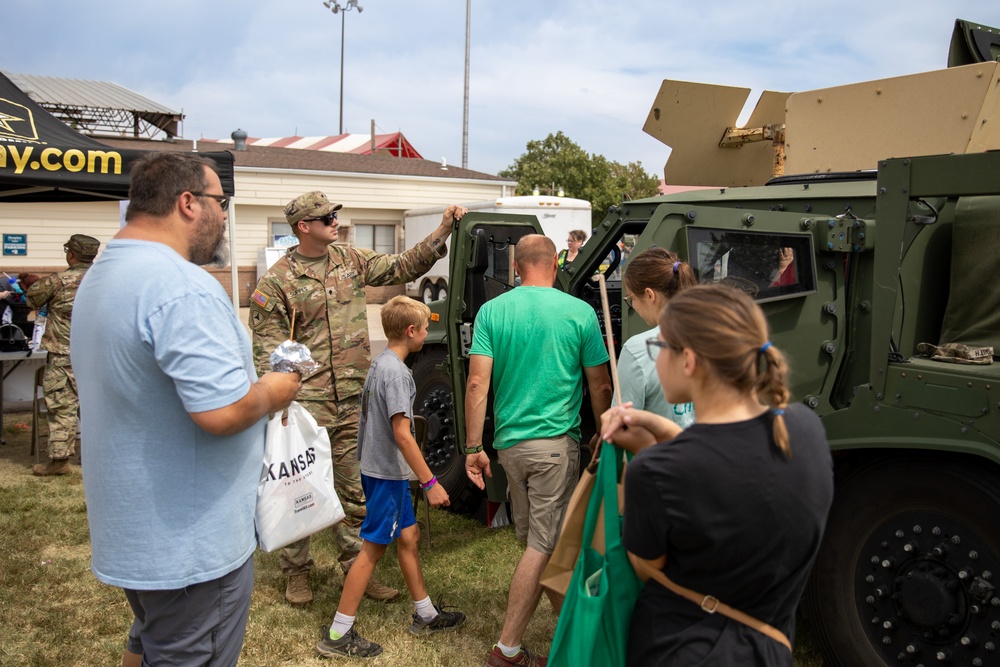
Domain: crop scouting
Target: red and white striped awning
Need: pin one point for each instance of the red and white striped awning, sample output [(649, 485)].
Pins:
[(393, 144)]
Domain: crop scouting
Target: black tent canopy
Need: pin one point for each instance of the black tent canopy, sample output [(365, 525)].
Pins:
[(42, 159)]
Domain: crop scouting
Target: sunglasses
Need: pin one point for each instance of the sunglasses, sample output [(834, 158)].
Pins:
[(326, 219), (222, 199)]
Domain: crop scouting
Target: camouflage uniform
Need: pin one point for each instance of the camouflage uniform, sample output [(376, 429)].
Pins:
[(331, 320), (58, 291)]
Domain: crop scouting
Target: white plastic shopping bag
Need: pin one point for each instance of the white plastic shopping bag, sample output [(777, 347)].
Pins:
[(295, 497)]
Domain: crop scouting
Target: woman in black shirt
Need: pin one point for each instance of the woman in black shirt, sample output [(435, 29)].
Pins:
[(735, 505)]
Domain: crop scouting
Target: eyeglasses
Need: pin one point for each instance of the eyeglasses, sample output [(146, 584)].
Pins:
[(326, 219), (628, 300), (653, 346), (222, 199)]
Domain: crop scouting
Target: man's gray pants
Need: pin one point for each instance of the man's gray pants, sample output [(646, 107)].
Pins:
[(203, 624)]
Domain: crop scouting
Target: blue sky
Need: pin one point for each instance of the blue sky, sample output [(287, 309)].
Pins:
[(589, 69)]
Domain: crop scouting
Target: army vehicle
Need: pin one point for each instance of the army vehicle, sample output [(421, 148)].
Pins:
[(890, 205)]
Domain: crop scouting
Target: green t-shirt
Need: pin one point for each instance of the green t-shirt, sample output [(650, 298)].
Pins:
[(540, 340)]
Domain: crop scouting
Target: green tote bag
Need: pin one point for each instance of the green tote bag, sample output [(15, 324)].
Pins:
[(594, 624)]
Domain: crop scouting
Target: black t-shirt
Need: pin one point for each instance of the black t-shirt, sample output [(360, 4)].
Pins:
[(736, 520)]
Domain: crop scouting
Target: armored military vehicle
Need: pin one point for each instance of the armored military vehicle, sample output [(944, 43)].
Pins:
[(888, 196)]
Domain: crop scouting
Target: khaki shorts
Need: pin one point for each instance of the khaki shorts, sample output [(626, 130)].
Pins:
[(541, 476)]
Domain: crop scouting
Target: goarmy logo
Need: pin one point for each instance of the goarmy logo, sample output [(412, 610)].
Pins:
[(21, 150), (16, 121)]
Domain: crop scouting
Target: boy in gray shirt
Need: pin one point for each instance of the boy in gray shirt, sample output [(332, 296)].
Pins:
[(388, 451)]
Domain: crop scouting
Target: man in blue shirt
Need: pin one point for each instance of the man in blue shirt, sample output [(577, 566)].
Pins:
[(172, 417)]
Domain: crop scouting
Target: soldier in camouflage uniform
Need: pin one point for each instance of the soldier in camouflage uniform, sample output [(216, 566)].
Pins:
[(318, 289), (57, 292)]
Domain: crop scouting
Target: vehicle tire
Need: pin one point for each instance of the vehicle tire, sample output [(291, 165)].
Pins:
[(428, 292), (905, 574), (442, 291), (434, 402)]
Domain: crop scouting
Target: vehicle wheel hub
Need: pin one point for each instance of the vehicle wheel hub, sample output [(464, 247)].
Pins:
[(929, 596), (440, 447), (924, 592)]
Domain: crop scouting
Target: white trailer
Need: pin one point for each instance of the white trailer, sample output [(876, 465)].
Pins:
[(558, 216)]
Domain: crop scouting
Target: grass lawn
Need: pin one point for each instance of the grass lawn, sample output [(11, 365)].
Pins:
[(54, 612)]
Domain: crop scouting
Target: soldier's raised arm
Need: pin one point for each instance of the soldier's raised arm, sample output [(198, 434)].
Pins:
[(406, 266)]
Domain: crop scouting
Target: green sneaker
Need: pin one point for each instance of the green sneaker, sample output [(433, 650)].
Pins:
[(351, 645), (445, 620)]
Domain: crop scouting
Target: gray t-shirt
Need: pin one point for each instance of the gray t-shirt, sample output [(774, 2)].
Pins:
[(389, 390)]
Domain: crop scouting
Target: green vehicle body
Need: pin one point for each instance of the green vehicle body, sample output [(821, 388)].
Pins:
[(911, 558)]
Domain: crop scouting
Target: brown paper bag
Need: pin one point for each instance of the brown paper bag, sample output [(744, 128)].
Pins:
[(558, 572)]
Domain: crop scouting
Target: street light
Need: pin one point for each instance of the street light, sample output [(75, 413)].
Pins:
[(337, 8)]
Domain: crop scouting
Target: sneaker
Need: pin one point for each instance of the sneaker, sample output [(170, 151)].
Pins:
[(522, 659), (298, 593), (445, 620), (53, 467), (351, 645)]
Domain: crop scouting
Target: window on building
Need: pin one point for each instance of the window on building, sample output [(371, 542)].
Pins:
[(377, 237), (281, 233)]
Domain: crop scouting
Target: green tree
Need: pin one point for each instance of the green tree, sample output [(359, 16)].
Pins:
[(557, 161), (631, 180)]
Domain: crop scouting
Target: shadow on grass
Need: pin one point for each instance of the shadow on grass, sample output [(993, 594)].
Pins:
[(54, 611)]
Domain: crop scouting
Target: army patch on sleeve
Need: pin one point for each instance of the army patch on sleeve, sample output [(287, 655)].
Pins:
[(260, 298)]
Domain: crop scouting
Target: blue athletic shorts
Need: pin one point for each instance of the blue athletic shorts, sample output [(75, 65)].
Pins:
[(389, 509)]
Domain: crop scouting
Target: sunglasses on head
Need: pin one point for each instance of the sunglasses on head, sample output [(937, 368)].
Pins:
[(326, 219)]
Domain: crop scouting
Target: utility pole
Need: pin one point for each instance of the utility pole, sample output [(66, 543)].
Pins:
[(465, 107)]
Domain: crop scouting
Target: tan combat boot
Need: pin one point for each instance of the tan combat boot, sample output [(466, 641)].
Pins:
[(375, 590), (297, 590), (53, 467), (378, 591)]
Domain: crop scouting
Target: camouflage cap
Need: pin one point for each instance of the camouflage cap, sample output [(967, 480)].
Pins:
[(84, 247), (310, 205)]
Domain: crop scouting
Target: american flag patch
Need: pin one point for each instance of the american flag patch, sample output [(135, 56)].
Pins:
[(260, 298)]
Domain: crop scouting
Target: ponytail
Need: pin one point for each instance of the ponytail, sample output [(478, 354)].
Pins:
[(772, 385)]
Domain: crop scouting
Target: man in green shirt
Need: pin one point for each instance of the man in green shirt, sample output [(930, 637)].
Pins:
[(538, 344)]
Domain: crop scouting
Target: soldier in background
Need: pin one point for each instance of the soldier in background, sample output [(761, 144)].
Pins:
[(55, 293), (322, 285)]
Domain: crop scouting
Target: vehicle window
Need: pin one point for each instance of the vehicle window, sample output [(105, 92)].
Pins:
[(625, 246), (501, 267), (764, 265)]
